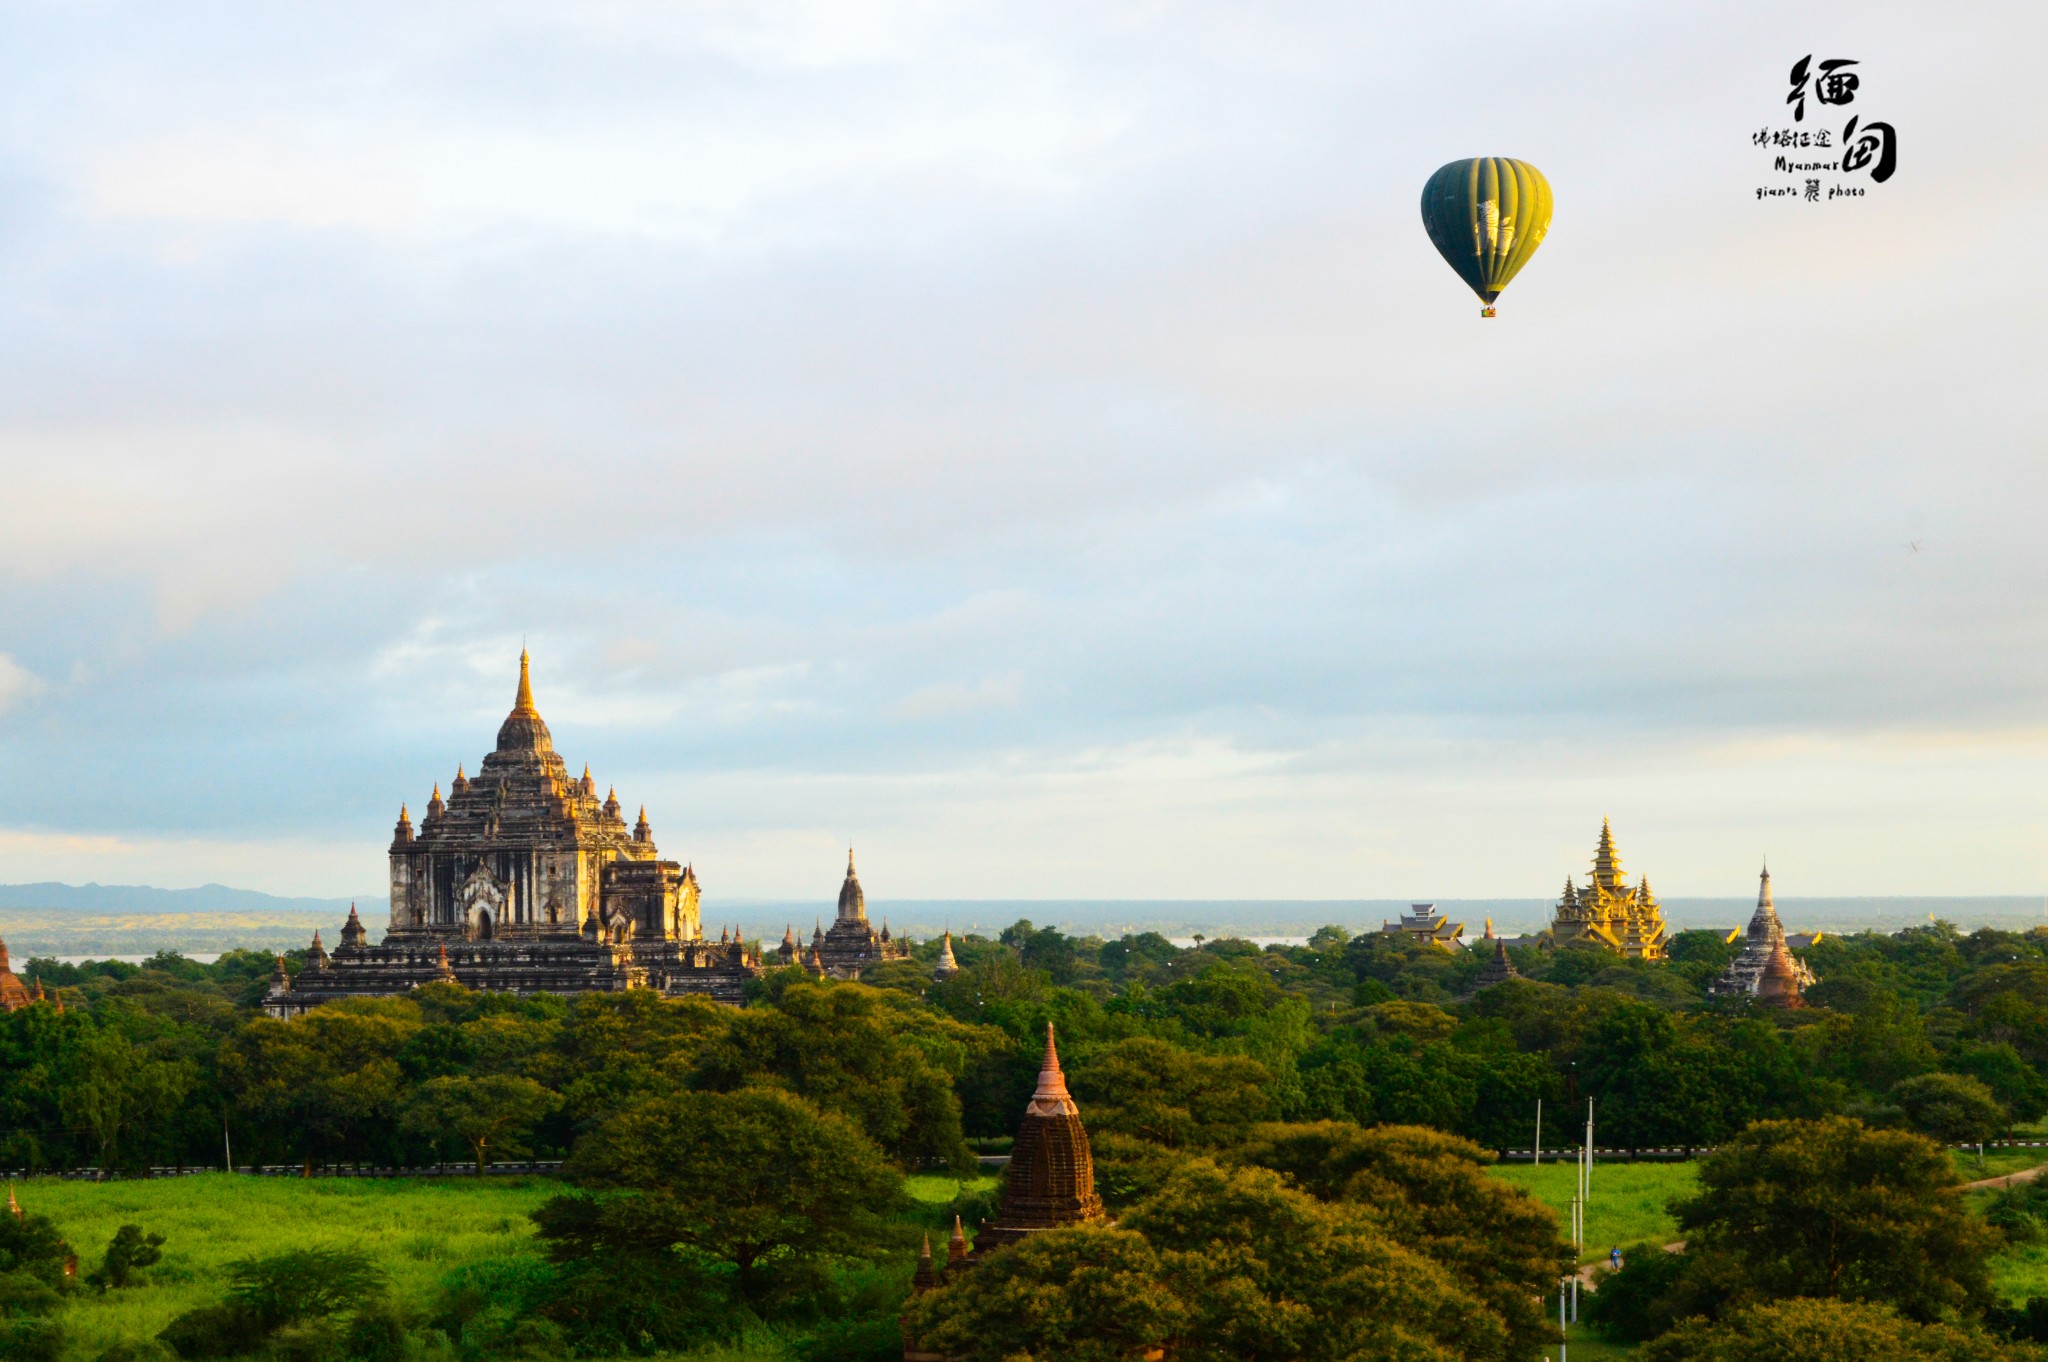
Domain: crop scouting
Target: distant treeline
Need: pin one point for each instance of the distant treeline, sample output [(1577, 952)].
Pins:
[(165, 1062)]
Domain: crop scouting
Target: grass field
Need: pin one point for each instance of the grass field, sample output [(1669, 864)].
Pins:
[(1997, 1162), (418, 1230), (1629, 1202)]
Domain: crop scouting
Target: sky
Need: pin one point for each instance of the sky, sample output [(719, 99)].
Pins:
[(1035, 444)]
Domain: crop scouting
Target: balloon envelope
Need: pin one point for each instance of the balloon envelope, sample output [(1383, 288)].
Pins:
[(1486, 217)]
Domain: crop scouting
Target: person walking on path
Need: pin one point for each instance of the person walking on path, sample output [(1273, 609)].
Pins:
[(1614, 1257)]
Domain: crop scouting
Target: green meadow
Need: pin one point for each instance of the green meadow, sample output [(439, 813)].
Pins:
[(422, 1230), (1630, 1201), (419, 1230)]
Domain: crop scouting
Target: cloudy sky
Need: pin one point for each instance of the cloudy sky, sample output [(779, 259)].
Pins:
[(1035, 443)]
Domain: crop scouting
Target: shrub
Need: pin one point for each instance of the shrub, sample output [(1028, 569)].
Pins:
[(128, 1252), (1635, 1304), (645, 1302), (2020, 1212), (876, 1339), (225, 1330), (303, 1284), (138, 1350), (377, 1333), (30, 1340), (313, 1340), (25, 1294), (31, 1244)]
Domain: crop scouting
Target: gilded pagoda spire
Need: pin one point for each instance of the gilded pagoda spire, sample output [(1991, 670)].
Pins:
[(947, 966), (524, 730), (522, 703), (1606, 860)]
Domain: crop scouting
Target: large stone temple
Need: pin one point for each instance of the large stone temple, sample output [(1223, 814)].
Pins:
[(851, 944), (524, 881), (1763, 942), (1624, 920)]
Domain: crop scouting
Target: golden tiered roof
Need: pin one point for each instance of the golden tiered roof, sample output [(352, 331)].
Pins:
[(1626, 920)]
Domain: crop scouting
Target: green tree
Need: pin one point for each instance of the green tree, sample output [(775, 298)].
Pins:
[(1832, 1208), (31, 1244), (1270, 1274), (2016, 1084), (275, 1297), (330, 1078), (738, 1178), (1085, 1294), (1951, 1108), (485, 1113), (1436, 1196), (1827, 1331), (109, 1088), (128, 1252), (1642, 1300), (303, 1284), (877, 1058), (1172, 1096)]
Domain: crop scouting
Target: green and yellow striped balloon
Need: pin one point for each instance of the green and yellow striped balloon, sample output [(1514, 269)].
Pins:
[(1487, 216)]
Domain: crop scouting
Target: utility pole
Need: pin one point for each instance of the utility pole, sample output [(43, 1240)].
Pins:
[(227, 1145), (1561, 1322), (1539, 1130), (1587, 1185)]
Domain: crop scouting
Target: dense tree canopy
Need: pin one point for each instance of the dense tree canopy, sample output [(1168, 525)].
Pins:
[(1828, 1331), (738, 1178), (1834, 1209), (1254, 1110)]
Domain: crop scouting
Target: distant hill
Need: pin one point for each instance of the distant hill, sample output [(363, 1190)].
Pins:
[(120, 900)]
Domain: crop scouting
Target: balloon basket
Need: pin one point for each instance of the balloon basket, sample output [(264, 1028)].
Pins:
[(1487, 312)]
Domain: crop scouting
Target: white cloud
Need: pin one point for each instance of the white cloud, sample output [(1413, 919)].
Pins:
[(949, 699), (17, 683), (233, 178), (1041, 420)]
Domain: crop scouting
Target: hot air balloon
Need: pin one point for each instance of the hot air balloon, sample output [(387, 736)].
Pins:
[(1486, 217)]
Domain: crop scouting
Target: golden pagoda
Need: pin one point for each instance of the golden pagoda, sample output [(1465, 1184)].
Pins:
[(1623, 919)]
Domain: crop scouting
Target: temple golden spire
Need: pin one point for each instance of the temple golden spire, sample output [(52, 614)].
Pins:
[(1606, 860), (522, 704)]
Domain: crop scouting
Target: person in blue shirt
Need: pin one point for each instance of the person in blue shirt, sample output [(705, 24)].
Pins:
[(1614, 1258)]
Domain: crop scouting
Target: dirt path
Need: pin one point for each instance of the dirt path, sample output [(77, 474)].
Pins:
[(2009, 1180), (1998, 1184)]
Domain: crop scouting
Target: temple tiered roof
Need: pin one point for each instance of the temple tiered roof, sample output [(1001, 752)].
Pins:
[(522, 881), (1626, 921), (851, 944), (1761, 942)]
